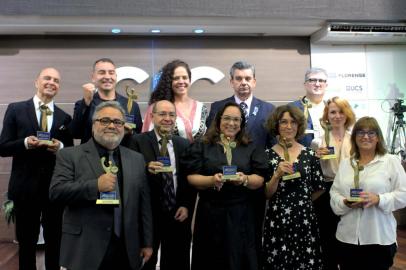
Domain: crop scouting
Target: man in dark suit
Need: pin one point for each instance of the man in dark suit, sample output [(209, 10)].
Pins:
[(89, 179), (172, 218), (102, 88), (242, 79), (32, 167), (312, 103)]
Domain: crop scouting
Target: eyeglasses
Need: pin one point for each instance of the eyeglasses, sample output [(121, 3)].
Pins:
[(165, 114), (105, 121), (369, 133), (312, 80), (229, 119), (285, 123)]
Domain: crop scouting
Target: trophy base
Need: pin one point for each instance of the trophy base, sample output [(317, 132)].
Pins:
[(164, 169), (332, 156), (230, 177), (355, 199), (130, 125), (108, 202), (291, 176), (46, 141)]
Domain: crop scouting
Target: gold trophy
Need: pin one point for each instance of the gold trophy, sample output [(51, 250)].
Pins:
[(110, 197), (164, 155), (229, 171), (132, 96), (355, 192), (327, 128), (286, 145)]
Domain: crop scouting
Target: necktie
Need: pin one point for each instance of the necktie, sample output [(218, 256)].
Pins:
[(244, 108), (169, 199), (45, 111), (117, 210)]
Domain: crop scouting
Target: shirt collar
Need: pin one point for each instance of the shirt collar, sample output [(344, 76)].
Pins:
[(38, 102), (247, 101), (158, 137)]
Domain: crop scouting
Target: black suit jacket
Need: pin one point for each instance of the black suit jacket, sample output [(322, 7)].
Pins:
[(259, 112), (31, 169), (147, 144)]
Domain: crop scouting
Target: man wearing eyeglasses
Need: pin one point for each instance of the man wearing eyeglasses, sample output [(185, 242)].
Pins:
[(312, 103), (102, 88), (173, 198), (99, 233)]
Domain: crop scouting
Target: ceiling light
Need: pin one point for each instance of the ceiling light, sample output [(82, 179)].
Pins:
[(156, 31), (198, 31), (116, 30)]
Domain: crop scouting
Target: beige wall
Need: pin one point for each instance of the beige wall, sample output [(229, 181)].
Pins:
[(280, 65)]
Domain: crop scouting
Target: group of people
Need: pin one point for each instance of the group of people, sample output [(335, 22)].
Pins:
[(300, 186)]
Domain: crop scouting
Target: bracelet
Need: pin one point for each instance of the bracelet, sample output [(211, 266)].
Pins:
[(245, 183)]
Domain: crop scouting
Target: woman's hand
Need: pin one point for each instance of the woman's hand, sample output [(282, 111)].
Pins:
[(284, 167), (353, 205), (369, 199), (240, 180), (218, 181), (322, 151)]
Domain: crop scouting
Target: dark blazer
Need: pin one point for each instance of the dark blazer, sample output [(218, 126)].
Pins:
[(259, 112), (81, 125), (147, 144), (31, 169), (307, 138), (87, 227)]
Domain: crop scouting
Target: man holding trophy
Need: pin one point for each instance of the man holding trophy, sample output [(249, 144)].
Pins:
[(103, 88), (172, 198), (107, 221)]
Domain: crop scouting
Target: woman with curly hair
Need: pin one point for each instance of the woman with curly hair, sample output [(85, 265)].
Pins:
[(174, 85)]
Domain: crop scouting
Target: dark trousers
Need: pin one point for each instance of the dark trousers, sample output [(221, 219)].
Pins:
[(29, 216), (328, 222), (174, 237), (371, 257), (116, 255)]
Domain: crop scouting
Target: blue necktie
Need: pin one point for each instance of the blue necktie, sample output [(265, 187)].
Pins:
[(244, 108), (169, 199)]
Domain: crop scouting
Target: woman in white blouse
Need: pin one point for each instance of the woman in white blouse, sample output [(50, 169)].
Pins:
[(367, 188), (338, 117), (174, 85)]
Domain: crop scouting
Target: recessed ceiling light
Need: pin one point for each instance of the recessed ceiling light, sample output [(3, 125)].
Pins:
[(198, 31), (156, 31), (116, 30)]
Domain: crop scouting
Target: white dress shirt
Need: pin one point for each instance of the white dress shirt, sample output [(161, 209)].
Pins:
[(384, 176), (248, 101)]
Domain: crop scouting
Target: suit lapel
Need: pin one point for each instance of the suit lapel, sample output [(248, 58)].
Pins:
[(153, 142), (32, 115), (93, 157), (254, 113), (126, 173)]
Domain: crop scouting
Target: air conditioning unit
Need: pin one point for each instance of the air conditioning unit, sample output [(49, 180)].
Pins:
[(360, 33)]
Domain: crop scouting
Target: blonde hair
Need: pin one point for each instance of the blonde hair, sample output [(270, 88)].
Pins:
[(344, 106)]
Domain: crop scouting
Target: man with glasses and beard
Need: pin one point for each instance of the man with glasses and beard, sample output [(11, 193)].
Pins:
[(98, 233)]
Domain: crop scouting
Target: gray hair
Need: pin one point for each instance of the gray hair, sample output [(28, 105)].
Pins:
[(314, 70), (241, 65), (107, 104)]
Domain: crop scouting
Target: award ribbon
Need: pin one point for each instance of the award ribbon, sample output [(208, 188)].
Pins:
[(228, 145)]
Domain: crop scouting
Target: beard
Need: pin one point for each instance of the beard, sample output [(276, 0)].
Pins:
[(109, 141)]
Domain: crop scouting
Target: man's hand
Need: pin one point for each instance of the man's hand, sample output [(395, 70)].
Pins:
[(54, 146), (181, 214), (146, 253), (106, 182), (88, 92), (33, 142), (154, 165)]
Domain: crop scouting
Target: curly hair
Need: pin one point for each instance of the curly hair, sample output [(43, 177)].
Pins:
[(212, 136), (163, 90), (272, 123)]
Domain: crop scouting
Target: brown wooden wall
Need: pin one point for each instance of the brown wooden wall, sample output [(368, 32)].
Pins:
[(280, 65)]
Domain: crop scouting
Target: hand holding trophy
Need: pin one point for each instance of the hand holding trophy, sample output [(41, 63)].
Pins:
[(132, 96), (229, 171), (327, 128), (109, 180), (286, 145)]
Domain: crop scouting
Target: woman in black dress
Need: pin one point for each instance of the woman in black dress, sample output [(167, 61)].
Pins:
[(291, 237), (224, 233)]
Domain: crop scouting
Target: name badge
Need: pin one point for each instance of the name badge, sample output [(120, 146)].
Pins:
[(44, 136), (109, 198), (355, 195), (292, 176), (230, 173), (166, 161), (331, 153), (130, 120)]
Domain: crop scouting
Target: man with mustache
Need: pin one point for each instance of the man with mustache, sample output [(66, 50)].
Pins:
[(103, 236), (33, 131), (102, 88)]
